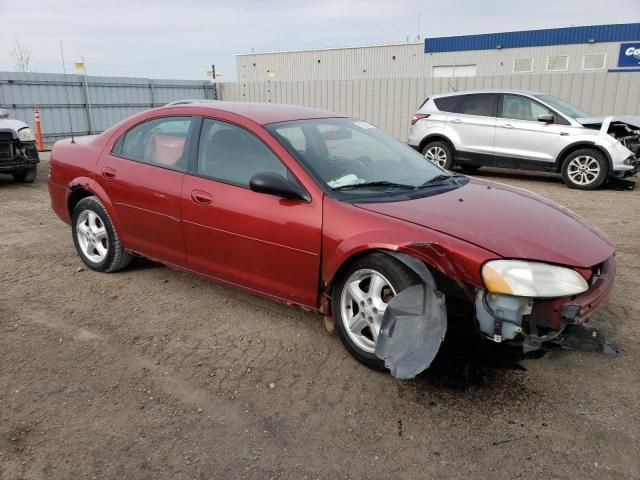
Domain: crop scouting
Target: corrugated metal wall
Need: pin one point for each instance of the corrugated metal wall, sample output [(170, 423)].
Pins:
[(390, 103), (408, 61), (111, 98)]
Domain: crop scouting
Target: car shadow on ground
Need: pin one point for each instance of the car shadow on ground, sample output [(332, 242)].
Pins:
[(139, 264), (467, 360)]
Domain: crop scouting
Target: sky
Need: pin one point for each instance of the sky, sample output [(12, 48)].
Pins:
[(181, 39)]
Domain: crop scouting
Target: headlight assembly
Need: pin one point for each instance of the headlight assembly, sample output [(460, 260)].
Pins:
[(26, 135), (531, 279)]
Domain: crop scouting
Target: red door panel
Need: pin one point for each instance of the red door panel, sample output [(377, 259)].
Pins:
[(258, 241), (146, 199)]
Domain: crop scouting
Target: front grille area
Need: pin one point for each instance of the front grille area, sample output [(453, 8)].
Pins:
[(6, 150)]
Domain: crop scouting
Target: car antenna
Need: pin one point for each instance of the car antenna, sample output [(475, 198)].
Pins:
[(66, 92), (452, 87)]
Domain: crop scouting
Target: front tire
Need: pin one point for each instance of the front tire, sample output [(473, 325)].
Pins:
[(95, 237), (26, 176), (359, 300), (585, 169), (440, 153)]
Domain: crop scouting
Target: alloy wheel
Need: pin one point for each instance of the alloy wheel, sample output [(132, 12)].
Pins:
[(583, 170), (92, 236), (437, 155), (364, 299)]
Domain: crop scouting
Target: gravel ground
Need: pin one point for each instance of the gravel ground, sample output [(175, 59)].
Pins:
[(153, 373)]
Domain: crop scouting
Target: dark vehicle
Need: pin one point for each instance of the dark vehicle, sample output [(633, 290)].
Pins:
[(18, 153)]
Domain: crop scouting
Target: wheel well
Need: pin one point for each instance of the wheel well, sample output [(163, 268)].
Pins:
[(580, 146), (457, 293), (345, 265), (436, 138), (77, 194)]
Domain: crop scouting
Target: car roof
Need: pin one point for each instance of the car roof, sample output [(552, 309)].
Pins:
[(262, 113), (496, 90)]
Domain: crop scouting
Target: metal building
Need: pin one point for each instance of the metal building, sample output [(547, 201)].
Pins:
[(586, 49)]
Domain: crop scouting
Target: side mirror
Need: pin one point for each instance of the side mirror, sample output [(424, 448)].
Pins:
[(547, 118), (273, 183), (4, 113)]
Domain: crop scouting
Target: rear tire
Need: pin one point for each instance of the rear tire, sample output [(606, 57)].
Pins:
[(440, 153), (585, 169), (26, 176), (393, 277), (95, 237)]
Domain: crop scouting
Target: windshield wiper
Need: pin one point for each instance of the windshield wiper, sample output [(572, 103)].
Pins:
[(438, 179), (381, 183)]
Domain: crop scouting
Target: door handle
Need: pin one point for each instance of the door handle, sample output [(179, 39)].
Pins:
[(564, 134), (108, 173), (456, 120), (203, 198), (507, 125)]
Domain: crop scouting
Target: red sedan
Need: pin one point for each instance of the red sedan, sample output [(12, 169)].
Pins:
[(329, 213)]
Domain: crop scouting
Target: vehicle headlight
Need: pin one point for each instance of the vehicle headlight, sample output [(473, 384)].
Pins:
[(26, 135), (531, 279)]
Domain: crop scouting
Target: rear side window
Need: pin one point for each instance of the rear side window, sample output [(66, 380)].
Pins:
[(158, 142), (481, 104), (233, 155), (447, 104)]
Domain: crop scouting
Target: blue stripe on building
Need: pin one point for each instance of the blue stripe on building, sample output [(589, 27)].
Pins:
[(535, 38)]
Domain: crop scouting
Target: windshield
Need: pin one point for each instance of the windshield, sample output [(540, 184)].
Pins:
[(351, 155), (563, 106)]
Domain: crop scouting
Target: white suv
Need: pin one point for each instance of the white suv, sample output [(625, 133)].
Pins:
[(525, 130)]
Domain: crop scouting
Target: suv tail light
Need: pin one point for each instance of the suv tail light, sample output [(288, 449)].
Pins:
[(419, 116)]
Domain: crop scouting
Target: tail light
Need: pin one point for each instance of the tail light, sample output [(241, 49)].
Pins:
[(419, 116)]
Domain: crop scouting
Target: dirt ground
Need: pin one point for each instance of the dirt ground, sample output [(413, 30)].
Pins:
[(153, 373)]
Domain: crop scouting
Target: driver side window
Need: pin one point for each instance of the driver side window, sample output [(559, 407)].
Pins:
[(521, 108), (233, 155)]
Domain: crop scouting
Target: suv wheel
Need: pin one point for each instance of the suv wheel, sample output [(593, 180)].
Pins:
[(359, 300), (585, 169), (440, 153), (95, 237)]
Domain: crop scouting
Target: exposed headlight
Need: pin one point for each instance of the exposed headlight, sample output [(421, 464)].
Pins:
[(26, 135), (531, 279)]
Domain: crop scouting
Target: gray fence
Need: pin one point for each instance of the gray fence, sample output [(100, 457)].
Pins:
[(386, 103), (390, 103), (94, 105)]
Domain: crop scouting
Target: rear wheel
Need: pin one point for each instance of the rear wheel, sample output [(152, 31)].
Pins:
[(26, 176), (585, 169), (440, 153), (95, 237), (360, 299)]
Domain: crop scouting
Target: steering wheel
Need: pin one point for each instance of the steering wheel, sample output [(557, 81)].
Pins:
[(361, 165)]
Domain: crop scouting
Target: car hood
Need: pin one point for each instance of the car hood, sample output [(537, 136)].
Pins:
[(507, 221), (13, 125), (632, 120)]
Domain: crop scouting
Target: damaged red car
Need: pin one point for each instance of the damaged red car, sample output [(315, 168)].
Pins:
[(329, 213)]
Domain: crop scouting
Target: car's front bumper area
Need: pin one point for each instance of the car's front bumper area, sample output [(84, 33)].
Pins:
[(16, 155), (531, 321), (629, 168)]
